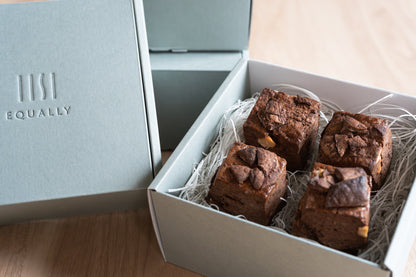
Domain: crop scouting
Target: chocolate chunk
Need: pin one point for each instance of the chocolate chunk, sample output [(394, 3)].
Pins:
[(273, 107), (381, 128), (351, 124), (319, 184), (273, 115), (266, 160), (356, 143), (248, 155), (256, 178), (299, 100), (349, 193), (321, 180), (240, 172), (343, 173), (341, 142)]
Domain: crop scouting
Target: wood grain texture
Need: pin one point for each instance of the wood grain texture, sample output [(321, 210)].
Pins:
[(115, 244), (371, 42)]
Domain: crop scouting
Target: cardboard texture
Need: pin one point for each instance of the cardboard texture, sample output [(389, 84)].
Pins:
[(216, 244), (78, 120)]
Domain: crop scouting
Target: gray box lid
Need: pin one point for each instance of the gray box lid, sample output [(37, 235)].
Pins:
[(198, 25), (77, 110)]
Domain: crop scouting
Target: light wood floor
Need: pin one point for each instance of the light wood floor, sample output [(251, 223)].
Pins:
[(371, 42)]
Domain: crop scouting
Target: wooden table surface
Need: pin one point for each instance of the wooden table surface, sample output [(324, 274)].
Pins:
[(371, 42)]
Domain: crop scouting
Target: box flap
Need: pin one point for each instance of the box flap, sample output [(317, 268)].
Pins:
[(195, 61), (74, 113), (198, 25)]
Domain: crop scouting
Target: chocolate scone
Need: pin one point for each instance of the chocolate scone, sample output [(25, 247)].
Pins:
[(286, 125), (358, 140), (335, 209), (250, 182)]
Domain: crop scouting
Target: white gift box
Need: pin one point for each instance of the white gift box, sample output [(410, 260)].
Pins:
[(214, 243)]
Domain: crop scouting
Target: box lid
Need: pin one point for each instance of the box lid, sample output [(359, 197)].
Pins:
[(77, 108), (188, 25)]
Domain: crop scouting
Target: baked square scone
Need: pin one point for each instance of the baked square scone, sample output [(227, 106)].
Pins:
[(335, 209), (358, 140), (250, 182), (286, 125)]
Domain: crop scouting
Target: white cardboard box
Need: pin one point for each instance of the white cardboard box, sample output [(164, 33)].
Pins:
[(214, 243)]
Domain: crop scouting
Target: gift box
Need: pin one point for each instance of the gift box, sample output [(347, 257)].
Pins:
[(215, 243), (79, 123), (79, 128), (80, 116)]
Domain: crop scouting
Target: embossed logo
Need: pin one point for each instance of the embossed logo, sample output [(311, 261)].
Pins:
[(35, 88)]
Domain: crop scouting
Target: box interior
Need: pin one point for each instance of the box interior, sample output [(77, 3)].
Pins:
[(194, 45), (186, 224), (183, 84)]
